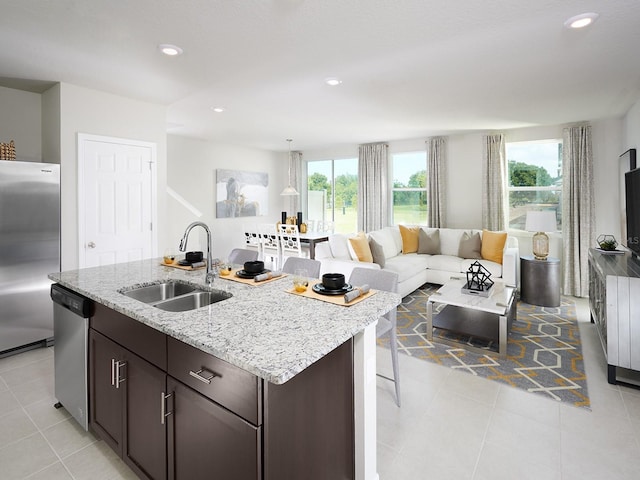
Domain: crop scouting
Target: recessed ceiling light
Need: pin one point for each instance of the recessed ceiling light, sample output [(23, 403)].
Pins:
[(171, 50), (581, 21), (332, 81), (218, 109)]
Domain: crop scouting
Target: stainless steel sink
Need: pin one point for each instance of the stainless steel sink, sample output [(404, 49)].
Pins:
[(174, 296), (192, 301), (159, 291)]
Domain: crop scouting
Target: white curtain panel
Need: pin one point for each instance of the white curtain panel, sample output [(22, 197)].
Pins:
[(296, 182), (494, 177), (436, 180), (373, 168), (577, 209)]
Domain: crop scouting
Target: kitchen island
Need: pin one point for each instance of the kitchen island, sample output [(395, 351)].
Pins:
[(278, 338)]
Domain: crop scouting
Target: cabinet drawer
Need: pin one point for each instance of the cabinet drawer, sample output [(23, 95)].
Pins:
[(226, 384), (145, 341)]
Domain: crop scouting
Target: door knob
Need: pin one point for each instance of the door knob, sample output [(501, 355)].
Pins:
[(91, 245)]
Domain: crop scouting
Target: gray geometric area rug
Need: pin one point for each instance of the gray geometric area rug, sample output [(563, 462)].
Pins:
[(544, 354)]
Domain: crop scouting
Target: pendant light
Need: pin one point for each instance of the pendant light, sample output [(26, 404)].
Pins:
[(289, 190)]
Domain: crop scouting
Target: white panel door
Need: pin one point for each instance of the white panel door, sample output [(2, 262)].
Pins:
[(116, 200)]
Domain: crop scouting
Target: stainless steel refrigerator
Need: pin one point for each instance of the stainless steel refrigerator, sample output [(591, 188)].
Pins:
[(29, 250)]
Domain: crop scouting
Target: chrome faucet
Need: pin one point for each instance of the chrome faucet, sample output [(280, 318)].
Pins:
[(210, 275)]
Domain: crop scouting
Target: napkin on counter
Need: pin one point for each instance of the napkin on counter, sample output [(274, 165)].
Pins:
[(355, 293), (266, 276)]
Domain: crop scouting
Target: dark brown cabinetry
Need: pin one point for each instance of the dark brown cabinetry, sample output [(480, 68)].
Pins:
[(106, 401), (173, 411), (125, 406), (208, 441)]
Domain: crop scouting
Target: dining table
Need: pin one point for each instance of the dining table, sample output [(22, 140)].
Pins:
[(311, 239)]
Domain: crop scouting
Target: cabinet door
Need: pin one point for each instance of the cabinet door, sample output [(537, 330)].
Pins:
[(145, 439), (106, 401), (208, 441)]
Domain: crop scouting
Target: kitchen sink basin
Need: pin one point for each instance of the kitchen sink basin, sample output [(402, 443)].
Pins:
[(159, 291), (192, 301), (174, 296)]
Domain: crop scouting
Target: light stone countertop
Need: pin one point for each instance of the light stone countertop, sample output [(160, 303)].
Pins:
[(261, 329)]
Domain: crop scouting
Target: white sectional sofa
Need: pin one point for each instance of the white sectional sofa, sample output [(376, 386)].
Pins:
[(415, 269)]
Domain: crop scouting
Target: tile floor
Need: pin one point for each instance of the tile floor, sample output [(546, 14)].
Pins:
[(452, 425)]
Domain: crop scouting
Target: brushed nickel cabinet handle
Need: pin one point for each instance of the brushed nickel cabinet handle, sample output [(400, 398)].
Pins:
[(203, 379), (163, 407), (117, 379)]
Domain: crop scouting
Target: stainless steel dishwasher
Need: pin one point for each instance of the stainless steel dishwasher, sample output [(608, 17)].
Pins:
[(71, 313)]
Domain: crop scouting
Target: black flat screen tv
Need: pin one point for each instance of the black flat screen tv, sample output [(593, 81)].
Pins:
[(632, 201)]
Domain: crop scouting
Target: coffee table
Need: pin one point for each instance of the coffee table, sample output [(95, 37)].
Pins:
[(485, 317)]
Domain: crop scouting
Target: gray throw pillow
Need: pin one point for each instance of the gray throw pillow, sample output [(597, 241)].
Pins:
[(470, 245), (377, 252), (429, 243)]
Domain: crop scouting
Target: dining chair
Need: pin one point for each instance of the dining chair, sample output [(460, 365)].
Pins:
[(387, 281), (270, 245), (312, 267), (239, 256), (252, 238), (326, 226), (290, 245), (311, 225)]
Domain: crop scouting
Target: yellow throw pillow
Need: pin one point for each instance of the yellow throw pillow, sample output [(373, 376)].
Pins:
[(410, 237), (493, 245), (360, 246)]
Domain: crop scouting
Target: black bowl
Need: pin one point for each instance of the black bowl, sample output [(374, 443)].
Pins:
[(254, 267), (193, 257), (333, 281)]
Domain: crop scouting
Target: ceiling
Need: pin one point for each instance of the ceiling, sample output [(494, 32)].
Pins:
[(410, 68)]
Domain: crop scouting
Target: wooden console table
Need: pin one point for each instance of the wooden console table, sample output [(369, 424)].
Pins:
[(614, 300)]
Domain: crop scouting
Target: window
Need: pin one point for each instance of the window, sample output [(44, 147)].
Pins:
[(332, 194), (534, 179), (409, 188)]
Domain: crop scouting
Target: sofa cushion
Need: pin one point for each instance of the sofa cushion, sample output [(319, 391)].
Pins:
[(493, 245), (450, 241), (470, 245), (429, 242), (407, 266), (495, 269), (360, 245), (409, 238), (339, 246), (385, 238), (397, 238), (377, 252), (446, 263)]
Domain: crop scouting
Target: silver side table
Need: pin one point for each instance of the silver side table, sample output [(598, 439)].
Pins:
[(540, 281)]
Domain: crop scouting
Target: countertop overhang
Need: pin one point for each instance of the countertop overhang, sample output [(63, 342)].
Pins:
[(261, 328)]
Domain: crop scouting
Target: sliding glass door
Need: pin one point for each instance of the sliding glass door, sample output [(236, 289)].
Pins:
[(332, 193)]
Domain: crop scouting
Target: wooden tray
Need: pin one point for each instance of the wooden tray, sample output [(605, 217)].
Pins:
[(335, 299), (248, 281), (181, 267)]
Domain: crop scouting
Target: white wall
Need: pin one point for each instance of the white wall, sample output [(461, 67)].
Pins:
[(631, 133), (20, 114), (191, 174), (607, 147), (51, 124), (89, 111)]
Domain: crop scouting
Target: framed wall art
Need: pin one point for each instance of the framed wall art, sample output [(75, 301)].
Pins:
[(241, 194)]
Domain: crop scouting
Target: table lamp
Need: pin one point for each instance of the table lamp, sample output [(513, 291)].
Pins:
[(540, 222)]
